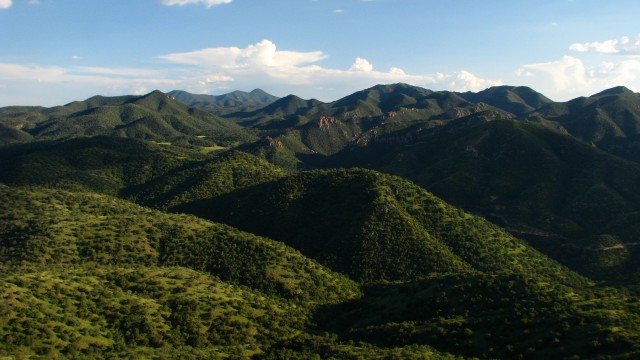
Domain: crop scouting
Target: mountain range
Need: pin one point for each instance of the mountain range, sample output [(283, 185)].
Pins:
[(396, 222)]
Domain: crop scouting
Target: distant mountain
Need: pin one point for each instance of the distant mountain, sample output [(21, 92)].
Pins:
[(311, 127), (519, 100), (236, 101), (609, 120), (278, 114), (155, 116)]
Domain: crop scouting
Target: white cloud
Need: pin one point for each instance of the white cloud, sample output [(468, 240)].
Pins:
[(338, 11), (284, 72), (362, 65), (60, 85), (5, 4), (567, 73), (569, 77), (623, 46), (466, 81), (263, 53), (214, 70), (207, 3)]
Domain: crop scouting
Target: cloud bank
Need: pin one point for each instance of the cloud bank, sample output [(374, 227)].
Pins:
[(571, 77), (622, 46), (264, 65), (218, 70), (5, 4)]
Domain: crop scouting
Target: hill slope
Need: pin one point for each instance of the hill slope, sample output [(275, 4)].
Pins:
[(153, 116), (236, 101), (99, 164), (374, 227), (89, 275), (610, 120), (559, 192)]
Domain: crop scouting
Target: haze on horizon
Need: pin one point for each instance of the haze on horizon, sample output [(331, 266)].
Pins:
[(56, 51)]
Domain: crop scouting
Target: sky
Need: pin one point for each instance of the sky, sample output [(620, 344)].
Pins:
[(53, 52)]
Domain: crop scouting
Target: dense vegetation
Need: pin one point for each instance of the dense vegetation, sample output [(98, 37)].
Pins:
[(62, 251), (198, 226)]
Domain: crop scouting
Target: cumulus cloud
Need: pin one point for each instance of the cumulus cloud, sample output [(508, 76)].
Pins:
[(5, 4), (211, 70), (362, 65), (263, 53), (623, 46), (263, 65), (568, 73), (207, 3), (466, 81), (570, 76)]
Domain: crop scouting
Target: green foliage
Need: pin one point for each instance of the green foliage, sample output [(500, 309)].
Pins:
[(233, 102), (505, 316), (99, 164), (609, 120), (204, 179), (375, 227), (84, 275), (132, 312), (536, 182), (44, 227), (155, 116)]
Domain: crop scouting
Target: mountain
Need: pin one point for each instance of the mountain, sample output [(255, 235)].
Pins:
[(609, 120), (397, 222), (307, 127), (276, 114), (12, 135), (434, 274), (549, 187), (99, 164), (236, 101), (203, 179), (89, 275), (519, 100), (155, 116), (489, 316), (372, 227)]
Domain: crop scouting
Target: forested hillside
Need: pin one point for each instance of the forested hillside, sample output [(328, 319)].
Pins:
[(396, 222)]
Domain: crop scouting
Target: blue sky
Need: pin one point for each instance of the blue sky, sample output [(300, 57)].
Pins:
[(56, 51)]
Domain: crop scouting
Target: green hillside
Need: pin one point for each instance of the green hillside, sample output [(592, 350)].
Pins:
[(488, 316), (150, 227), (374, 227), (545, 186), (45, 227), (519, 100), (155, 116), (236, 101), (100, 164), (204, 179), (85, 273), (610, 120)]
